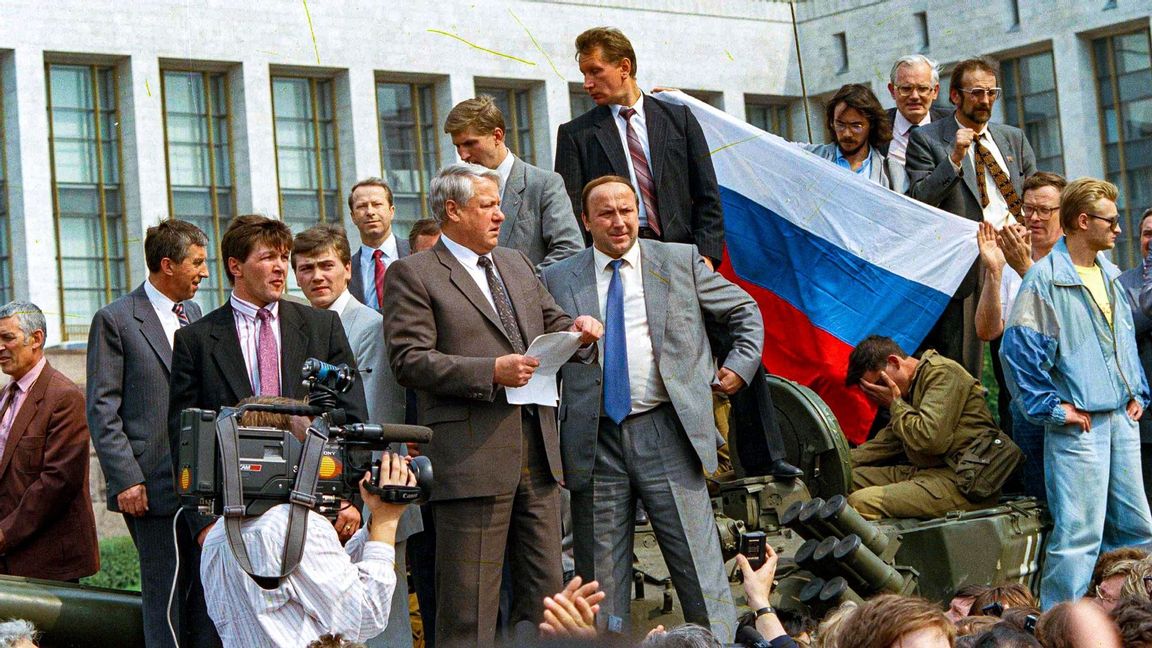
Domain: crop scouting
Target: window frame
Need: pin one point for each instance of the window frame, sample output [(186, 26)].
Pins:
[(317, 148)]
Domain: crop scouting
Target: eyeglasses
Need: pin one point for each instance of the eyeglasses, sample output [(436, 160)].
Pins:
[(1107, 599), (980, 93), (1147, 585), (1041, 213), (1113, 221), (855, 127), (907, 89)]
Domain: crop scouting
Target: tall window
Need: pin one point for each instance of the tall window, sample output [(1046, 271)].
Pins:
[(772, 117), (1030, 104), (578, 100), (5, 229), (409, 147), (304, 112), (1124, 90), (517, 108), (198, 142), (84, 138)]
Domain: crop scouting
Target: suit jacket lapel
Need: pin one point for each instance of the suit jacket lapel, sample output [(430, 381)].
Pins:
[(23, 417), (150, 327), (657, 123), (1006, 152), (228, 355), (655, 292), (356, 281), (518, 283), (464, 283), (293, 346), (584, 293), (608, 135), (949, 136), (510, 201)]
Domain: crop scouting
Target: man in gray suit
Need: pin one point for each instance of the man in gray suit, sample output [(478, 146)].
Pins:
[(129, 363), (642, 427), (322, 261), (914, 83), (460, 317), (370, 203), (538, 215), (975, 169)]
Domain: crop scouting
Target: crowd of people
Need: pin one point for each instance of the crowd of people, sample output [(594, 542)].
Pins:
[(619, 247)]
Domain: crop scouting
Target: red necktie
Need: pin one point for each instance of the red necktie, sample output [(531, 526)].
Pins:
[(378, 256), (643, 173)]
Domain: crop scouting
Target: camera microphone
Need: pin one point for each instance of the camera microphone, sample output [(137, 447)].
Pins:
[(750, 637), (388, 433)]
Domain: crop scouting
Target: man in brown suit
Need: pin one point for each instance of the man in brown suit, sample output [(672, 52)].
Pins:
[(46, 525), (457, 321)]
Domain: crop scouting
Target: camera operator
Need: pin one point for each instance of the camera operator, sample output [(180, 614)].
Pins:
[(346, 590)]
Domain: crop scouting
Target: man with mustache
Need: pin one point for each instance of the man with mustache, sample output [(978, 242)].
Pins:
[(860, 131), (975, 169), (129, 358)]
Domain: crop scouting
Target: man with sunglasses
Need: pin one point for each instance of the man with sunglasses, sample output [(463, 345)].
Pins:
[(1070, 358), (975, 169)]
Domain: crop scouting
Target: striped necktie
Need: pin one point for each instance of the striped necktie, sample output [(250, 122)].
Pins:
[(643, 173)]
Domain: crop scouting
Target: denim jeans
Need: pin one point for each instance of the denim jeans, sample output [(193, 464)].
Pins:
[(1096, 496), (1030, 438)]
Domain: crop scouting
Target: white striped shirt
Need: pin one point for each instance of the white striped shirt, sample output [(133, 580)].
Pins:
[(248, 330), (335, 589)]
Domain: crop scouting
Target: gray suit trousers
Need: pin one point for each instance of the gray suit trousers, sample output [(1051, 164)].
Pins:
[(650, 457)]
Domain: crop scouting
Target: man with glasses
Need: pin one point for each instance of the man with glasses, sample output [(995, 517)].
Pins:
[(1070, 359), (914, 83), (975, 169), (859, 130), (1018, 246)]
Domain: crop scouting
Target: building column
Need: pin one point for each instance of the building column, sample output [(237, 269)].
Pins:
[(35, 273), (254, 149), (455, 89), (559, 111), (1079, 115), (359, 130), (144, 169)]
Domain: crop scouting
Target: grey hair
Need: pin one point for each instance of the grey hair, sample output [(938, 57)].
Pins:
[(28, 316), (455, 182), (16, 630), (914, 59), (688, 635)]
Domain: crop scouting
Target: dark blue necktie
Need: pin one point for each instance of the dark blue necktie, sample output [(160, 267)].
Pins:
[(617, 392)]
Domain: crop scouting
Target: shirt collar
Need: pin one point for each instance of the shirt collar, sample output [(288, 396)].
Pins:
[(848, 165), (505, 169), (248, 309), (902, 124), (159, 300), (465, 256), (388, 247), (638, 107), (26, 381), (631, 257), (341, 302)]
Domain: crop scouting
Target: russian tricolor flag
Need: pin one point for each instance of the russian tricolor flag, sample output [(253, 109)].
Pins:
[(830, 257)]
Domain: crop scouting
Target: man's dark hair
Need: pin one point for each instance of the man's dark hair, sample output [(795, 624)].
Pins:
[(171, 240), (422, 227), (1006, 595), (1134, 616), (1044, 179), (319, 238), (614, 46), (970, 591), (967, 65), (603, 180), (370, 182), (334, 641), (244, 233), (871, 355), (1003, 636), (860, 97)]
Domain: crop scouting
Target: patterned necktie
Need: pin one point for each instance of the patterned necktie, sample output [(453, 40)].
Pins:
[(9, 396), (178, 308), (643, 173), (617, 390), (985, 159), (503, 305), (268, 356), (378, 257)]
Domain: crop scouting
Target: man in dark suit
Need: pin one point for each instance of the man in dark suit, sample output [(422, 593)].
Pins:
[(129, 358), (914, 84), (459, 320), (643, 427), (976, 169), (658, 146), (370, 203), (47, 529), (256, 343), (538, 217)]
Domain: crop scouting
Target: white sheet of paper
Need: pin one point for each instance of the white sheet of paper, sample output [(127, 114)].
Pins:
[(552, 350)]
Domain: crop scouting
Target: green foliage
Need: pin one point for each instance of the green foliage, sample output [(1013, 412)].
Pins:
[(990, 384), (119, 565)]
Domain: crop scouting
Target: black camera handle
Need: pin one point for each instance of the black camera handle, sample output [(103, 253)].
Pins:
[(302, 497)]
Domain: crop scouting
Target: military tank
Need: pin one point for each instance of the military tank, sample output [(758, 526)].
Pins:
[(829, 554)]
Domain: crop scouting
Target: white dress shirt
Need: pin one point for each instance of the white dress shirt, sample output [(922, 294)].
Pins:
[(505, 170), (341, 302), (248, 330), (997, 210), (368, 265), (163, 307), (901, 132), (470, 261), (644, 379), (346, 590), (640, 125)]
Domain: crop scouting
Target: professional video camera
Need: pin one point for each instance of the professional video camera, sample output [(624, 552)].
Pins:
[(224, 465)]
